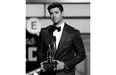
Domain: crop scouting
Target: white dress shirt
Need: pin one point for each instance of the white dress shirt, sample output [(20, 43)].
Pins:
[(58, 34)]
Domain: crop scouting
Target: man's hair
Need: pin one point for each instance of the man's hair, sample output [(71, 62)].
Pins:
[(55, 4)]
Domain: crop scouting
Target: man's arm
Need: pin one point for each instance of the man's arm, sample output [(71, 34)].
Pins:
[(79, 50), (40, 48)]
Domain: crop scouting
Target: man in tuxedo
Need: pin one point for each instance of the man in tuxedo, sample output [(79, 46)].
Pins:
[(69, 49)]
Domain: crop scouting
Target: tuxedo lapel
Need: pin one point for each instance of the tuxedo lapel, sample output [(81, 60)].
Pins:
[(62, 40), (50, 35)]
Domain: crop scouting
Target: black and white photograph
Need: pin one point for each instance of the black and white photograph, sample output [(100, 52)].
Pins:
[(58, 37)]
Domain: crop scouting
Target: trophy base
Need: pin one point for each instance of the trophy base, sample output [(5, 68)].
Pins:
[(50, 65)]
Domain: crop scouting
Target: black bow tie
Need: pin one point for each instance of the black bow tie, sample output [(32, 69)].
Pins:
[(57, 28)]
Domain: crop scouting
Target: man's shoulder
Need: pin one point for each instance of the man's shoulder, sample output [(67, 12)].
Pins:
[(46, 29), (73, 31), (71, 28)]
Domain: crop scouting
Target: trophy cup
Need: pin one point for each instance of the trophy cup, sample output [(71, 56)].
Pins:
[(51, 63)]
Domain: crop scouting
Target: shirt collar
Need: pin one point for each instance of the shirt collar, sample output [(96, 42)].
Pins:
[(61, 25)]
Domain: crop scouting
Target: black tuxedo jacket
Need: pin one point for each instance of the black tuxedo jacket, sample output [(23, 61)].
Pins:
[(70, 49)]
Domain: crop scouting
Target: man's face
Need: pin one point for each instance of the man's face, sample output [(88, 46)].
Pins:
[(56, 15)]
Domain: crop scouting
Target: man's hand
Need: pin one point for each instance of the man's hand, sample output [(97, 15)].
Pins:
[(60, 65), (42, 66)]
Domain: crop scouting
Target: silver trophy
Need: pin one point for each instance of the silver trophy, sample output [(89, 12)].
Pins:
[(51, 63)]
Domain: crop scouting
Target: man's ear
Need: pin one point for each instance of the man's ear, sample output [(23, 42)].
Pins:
[(62, 13)]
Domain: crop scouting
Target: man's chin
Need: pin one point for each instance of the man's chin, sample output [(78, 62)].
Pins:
[(55, 22)]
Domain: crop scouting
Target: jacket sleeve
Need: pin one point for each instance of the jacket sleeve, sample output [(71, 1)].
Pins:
[(40, 48), (79, 51)]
